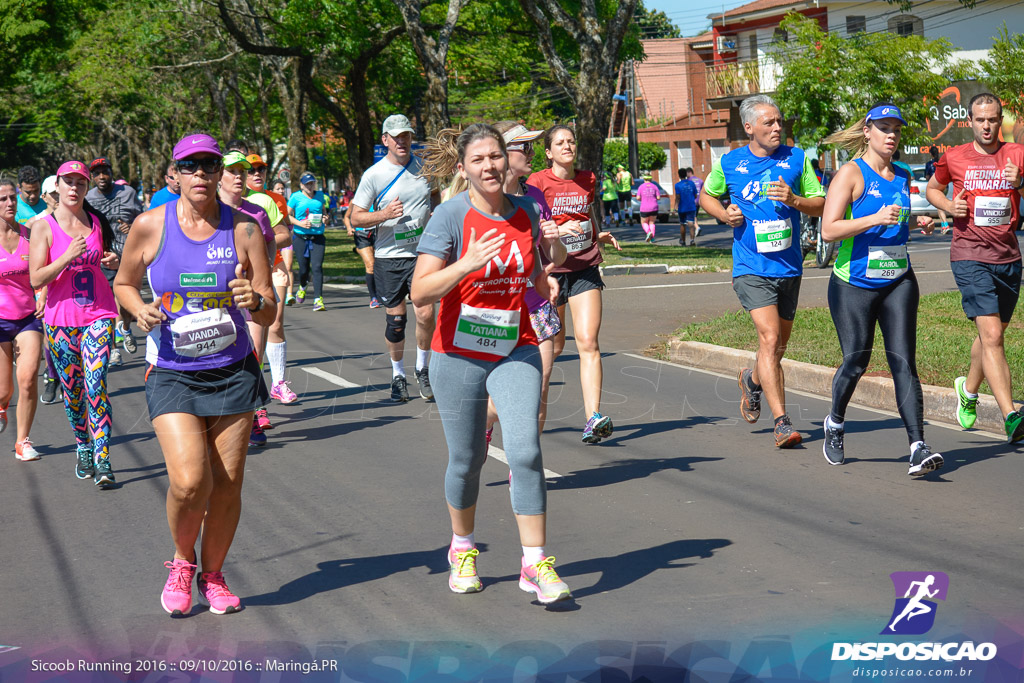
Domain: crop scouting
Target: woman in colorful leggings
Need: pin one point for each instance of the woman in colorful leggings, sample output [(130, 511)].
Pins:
[(66, 251)]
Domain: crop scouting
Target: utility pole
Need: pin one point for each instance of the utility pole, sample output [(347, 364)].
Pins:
[(634, 152)]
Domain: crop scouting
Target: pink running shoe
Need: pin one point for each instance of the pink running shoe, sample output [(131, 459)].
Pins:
[(263, 419), (282, 393), (177, 596), (542, 579), (215, 593)]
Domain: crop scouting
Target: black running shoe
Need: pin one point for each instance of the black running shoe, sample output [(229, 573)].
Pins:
[(104, 476), (399, 389), (85, 467), (833, 446), (49, 391), (923, 461), (424, 381)]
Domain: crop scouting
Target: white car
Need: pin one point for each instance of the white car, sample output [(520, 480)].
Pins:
[(919, 204)]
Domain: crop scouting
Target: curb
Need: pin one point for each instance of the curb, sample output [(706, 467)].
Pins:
[(940, 403)]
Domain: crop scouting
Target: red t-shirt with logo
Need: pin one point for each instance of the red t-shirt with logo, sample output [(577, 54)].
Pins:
[(986, 234), (485, 316), (570, 200)]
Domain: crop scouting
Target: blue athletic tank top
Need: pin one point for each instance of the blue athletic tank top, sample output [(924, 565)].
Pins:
[(878, 256), (203, 329)]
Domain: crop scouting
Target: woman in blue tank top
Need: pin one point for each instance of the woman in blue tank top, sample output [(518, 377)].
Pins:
[(205, 262), (868, 211)]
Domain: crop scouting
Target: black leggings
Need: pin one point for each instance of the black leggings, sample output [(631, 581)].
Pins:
[(317, 244), (855, 310)]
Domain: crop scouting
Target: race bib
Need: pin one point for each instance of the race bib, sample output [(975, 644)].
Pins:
[(886, 263), (577, 243), (316, 220), (992, 211), (487, 330), (202, 334), (405, 237), (773, 236)]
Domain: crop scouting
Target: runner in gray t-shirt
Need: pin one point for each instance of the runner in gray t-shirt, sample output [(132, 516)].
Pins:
[(394, 200)]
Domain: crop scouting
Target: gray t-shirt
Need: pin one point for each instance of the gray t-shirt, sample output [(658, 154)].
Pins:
[(443, 235), (398, 237), (122, 204)]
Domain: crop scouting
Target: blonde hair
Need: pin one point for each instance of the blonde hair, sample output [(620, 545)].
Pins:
[(442, 154), (851, 139)]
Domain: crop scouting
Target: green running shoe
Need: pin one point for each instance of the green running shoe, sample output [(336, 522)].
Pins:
[(967, 408), (1014, 427)]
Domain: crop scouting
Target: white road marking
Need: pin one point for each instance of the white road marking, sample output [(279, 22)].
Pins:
[(333, 379), (887, 413), (499, 455), (729, 282), (335, 285)]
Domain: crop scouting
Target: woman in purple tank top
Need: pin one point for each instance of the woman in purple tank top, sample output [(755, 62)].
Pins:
[(205, 263), (66, 251)]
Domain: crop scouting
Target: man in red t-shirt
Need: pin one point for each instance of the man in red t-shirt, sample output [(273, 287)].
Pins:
[(984, 255)]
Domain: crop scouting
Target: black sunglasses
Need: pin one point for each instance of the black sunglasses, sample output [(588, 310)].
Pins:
[(190, 166)]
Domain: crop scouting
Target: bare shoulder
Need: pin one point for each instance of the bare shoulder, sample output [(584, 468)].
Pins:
[(246, 227)]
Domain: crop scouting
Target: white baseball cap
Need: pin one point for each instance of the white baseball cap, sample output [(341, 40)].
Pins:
[(517, 136), (49, 185), (396, 124)]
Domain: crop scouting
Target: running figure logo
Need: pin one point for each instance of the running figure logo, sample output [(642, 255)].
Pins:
[(914, 611)]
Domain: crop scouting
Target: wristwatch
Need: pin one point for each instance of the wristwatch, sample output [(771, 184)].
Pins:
[(1020, 185), (259, 307)]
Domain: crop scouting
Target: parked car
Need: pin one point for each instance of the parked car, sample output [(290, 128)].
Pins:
[(919, 204), (664, 202)]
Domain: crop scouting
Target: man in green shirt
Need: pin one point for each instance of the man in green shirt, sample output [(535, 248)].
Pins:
[(610, 197), (624, 187)]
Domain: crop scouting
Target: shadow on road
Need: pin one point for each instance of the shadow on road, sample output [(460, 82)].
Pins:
[(618, 471), (619, 571), (337, 574)]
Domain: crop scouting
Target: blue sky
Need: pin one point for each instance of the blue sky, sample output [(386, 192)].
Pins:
[(691, 15)]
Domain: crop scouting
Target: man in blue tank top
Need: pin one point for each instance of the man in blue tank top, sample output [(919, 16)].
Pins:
[(770, 184)]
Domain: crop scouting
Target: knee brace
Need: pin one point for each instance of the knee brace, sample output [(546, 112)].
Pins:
[(395, 331)]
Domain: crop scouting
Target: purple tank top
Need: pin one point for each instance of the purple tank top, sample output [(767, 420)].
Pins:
[(204, 329), (80, 295)]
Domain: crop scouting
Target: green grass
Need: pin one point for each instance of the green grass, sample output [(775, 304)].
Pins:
[(702, 258), (339, 259), (944, 338)]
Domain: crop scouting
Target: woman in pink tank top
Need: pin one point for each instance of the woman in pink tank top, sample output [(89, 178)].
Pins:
[(21, 333), (66, 251)]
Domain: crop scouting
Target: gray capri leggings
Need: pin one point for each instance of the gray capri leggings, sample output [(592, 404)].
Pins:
[(461, 386)]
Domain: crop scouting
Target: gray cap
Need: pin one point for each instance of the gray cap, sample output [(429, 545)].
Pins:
[(396, 124)]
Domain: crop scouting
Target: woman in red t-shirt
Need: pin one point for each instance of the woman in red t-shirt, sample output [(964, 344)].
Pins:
[(570, 194), (478, 255)]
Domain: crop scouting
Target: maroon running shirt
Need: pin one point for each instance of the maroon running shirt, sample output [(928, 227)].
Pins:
[(570, 200), (986, 234)]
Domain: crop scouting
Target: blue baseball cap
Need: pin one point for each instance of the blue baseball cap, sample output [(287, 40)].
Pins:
[(886, 111), (307, 177)]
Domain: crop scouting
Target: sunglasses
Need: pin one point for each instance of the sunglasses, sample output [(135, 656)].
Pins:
[(190, 166), (524, 147)]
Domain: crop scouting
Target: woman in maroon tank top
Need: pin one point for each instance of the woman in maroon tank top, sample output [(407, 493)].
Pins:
[(201, 418)]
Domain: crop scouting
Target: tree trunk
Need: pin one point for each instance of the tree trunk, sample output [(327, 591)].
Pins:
[(433, 56), (593, 111), (293, 102)]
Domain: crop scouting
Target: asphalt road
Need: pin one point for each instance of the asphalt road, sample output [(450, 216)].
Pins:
[(685, 534)]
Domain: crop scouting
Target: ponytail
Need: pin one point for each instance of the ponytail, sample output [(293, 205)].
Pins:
[(105, 230)]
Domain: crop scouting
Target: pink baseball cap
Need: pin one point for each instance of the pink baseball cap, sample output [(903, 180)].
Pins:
[(73, 168), (195, 144)]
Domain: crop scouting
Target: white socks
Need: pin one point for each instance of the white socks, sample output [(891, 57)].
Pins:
[(396, 369), (421, 358), (532, 555), (461, 543), (832, 424), (277, 355)]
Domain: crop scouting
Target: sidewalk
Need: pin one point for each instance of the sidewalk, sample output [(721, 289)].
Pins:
[(940, 403)]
